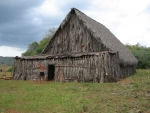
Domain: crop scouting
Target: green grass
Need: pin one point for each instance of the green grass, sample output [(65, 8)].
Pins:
[(130, 95)]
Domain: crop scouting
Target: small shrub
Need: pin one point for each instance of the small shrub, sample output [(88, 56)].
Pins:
[(10, 69)]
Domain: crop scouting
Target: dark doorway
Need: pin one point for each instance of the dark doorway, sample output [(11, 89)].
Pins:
[(51, 72)]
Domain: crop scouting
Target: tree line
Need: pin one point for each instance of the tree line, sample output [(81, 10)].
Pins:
[(6, 60), (142, 53)]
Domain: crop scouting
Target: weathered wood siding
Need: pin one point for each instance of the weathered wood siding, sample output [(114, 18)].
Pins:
[(89, 68), (127, 71), (74, 37)]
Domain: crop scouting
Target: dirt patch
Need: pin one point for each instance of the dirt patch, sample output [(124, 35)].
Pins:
[(147, 111), (6, 78), (126, 80), (11, 111)]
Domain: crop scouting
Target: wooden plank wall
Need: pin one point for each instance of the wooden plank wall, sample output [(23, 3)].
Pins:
[(90, 68)]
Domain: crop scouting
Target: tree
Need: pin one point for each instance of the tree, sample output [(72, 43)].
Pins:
[(31, 48), (41, 46), (50, 33), (36, 48), (44, 41)]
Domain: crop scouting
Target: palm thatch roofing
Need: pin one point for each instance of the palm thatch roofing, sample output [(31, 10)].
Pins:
[(101, 34)]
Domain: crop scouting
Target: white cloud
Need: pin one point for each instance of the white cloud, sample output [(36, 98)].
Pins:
[(10, 51), (127, 19), (135, 28), (48, 8)]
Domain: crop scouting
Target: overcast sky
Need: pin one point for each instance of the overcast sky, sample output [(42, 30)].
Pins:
[(25, 21)]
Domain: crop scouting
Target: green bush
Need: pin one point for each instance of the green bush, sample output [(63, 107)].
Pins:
[(10, 69), (142, 54)]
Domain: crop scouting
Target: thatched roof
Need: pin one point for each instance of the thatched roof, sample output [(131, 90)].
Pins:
[(101, 34)]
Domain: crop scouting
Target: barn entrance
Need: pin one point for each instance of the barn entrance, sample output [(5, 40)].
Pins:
[(51, 72)]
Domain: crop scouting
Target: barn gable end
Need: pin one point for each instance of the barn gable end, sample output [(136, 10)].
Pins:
[(73, 37)]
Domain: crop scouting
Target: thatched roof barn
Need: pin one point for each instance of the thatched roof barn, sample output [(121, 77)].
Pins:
[(81, 50)]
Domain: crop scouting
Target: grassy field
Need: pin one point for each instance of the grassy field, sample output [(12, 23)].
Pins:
[(4, 72), (130, 95), (5, 67)]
